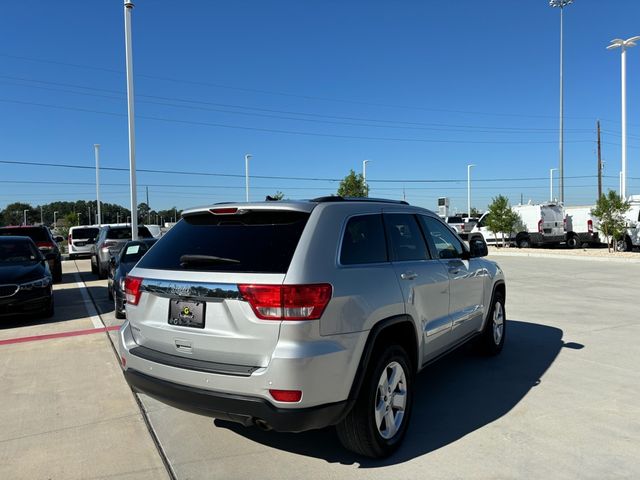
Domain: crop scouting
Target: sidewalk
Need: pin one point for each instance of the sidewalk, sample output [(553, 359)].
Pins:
[(67, 411)]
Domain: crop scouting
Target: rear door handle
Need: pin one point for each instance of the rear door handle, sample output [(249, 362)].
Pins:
[(408, 275)]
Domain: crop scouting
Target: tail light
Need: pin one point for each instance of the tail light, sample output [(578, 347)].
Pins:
[(287, 302), (286, 395), (132, 289), (45, 245), (540, 230), (590, 226), (69, 239)]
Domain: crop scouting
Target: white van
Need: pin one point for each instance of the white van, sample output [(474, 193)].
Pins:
[(581, 226), (81, 239), (541, 224)]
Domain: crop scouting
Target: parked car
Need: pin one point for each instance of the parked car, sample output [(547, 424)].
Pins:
[(81, 240), (296, 315), (45, 242), (108, 243), (581, 226), (119, 267), (25, 278), (457, 223)]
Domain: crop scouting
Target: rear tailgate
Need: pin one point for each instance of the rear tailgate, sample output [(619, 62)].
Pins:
[(198, 266)]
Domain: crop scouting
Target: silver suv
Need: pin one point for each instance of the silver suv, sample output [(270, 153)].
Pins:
[(296, 315)]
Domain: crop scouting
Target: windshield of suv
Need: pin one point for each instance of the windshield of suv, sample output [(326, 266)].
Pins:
[(37, 234), (257, 241), (18, 252)]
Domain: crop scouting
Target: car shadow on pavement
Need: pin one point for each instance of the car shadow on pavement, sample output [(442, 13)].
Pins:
[(454, 397)]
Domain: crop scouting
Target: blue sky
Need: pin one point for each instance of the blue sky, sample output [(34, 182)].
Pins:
[(421, 88)]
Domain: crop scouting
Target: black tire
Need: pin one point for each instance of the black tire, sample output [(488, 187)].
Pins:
[(119, 315), (523, 241), (94, 267), (574, 242), (102, 273), (72, 256), (50, 310), (359, 431), (624, 245), (487, 344), (57, 273)]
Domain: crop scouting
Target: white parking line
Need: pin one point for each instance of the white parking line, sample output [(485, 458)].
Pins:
[(91, 309)]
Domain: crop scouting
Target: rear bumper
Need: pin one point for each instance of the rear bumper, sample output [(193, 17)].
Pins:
[(236, 408)]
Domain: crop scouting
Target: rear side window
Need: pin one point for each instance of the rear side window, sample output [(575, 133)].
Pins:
[(407, 242), (363, 241), (125, 233), (455, 220), (257, 241), (37, 234), (85, 232)]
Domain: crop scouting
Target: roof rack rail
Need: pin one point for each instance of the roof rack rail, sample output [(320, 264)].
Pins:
[(338, 198)]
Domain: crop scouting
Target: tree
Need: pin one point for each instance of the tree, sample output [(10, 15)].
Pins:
[(501, 218), (353, 185), (275, 197), (609, 211), (475, 212), (13, 214)]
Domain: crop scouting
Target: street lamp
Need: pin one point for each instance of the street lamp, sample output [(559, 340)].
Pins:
[(128, 7), (364, 176), (551, 170), (79, 218), (623, 45), (246, 175), (561, 4), (24, 214), (55, 223), (97, 153), (469, 190)]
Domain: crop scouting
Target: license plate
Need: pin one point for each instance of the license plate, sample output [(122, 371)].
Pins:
[(186, 313), (80, 244)]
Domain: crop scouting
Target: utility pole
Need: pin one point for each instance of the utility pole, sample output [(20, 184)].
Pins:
[(41, 216), (148, 207), (599, 165), (128, 7)]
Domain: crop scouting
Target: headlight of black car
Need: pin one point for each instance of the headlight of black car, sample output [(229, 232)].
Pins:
[(40, 283)]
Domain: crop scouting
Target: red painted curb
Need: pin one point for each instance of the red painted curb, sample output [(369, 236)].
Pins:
[(49, 336)]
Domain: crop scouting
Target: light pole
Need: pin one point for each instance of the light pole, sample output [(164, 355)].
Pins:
[(469, 190), (246, 175), (551, 170), (128, 7), (55, 223), (97, 152), (79, 218), (24, 214), (364, 176), (561, 4), (623, 45)]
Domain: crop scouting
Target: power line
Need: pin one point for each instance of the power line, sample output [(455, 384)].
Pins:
[(199, 103), (279, 93)]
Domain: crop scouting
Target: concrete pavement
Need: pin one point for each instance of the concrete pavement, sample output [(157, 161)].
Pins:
[(67, 412)]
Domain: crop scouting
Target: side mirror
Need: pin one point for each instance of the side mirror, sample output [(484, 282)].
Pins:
[(58, 238), (478, 247)]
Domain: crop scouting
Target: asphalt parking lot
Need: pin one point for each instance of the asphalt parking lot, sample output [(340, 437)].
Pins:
[(561, 401)]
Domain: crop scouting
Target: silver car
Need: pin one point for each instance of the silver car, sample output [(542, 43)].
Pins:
[(296, 315)]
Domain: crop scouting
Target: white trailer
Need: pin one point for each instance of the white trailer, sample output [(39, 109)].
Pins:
[(541, 224), (581, 226), (632, 234)]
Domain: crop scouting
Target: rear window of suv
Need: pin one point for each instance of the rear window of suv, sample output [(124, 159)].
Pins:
[(37, 234), (124, 233), (85, 232), (257, 241)]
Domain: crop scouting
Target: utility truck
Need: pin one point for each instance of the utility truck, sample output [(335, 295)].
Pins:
[(632, 233)]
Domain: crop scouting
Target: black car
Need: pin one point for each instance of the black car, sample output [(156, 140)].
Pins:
[(25, 278), (45, 242), (120, 265)]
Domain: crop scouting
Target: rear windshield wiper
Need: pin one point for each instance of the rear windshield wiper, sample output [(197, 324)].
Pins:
[(203, 260)]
